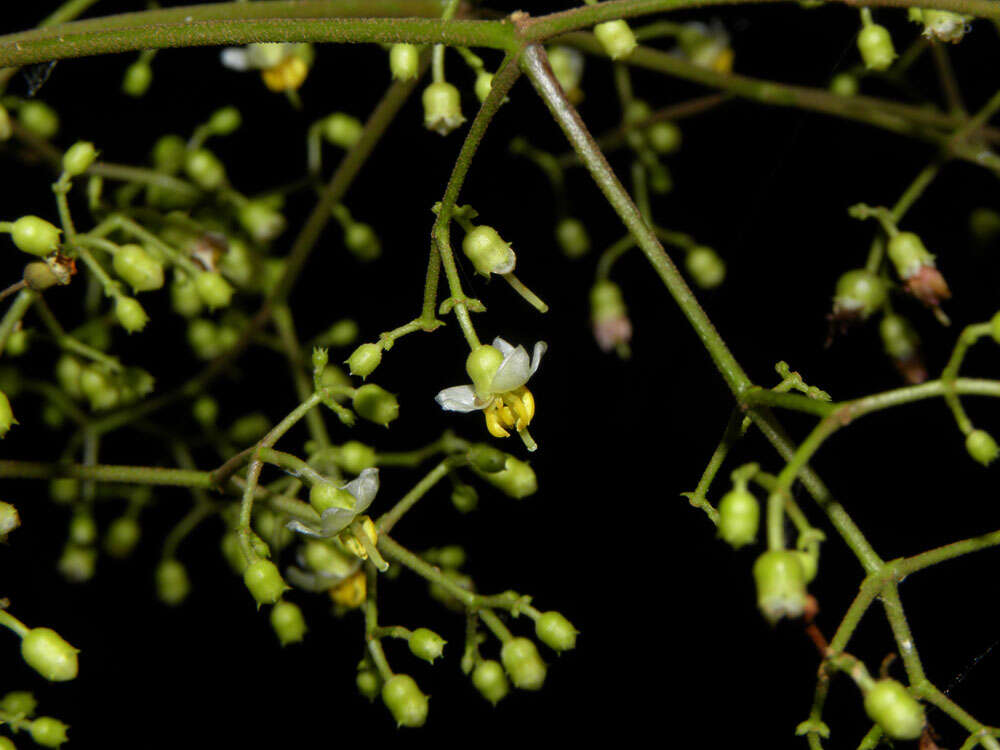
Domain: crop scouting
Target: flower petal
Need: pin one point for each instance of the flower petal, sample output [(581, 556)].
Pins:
[(459, 398), (503, 346), (536, 357), (335, 520), (311, 580), (235, 58), (513, 372), (364, 489), (301, 528)]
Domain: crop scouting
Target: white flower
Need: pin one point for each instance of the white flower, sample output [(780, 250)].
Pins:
[(334, 520), (504, 398), (283, 65)]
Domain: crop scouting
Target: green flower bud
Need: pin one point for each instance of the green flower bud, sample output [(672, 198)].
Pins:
[(6, 128), (122, 536), (984, 224), (898, 713), (169, 153), (898, 337), (9, 519), (982, 447), (205, 411), (64, 490), (77, 563), (664, 137), (325, 558), (481, 365), (35, 236), (39, 277), (488, 252), (213, 290), (130, 314), (342, 333), (809, 562), (78, 158), (205, 169), (451, 556), (367, 681), (288, 623), (616, 38), (82, 528), (249, 428), (859, 293), (141, 270), (203, 336), (487, 459), (489, 679), (324, 495), (484, 84), (6, 415), (38, 118), (342, 129), (426, 644), (705, 266), (404, 61), (374, 403), (45, 651), (184, 297), (521, 660), (17, 343), (137, 79), (465, 498), (442, 108), (844, 84), (68, 372), (19, 703), (261, 221), (404, 700), (365, 359), (355, 456), (875, 45), (907, 252), (781, 587), (224, 121), (739, 517), (48, 732), (572, 236), (567, 66), (240, 263), (555, 631), (362, 241), (264, 581), (517, 480), (172, 582)]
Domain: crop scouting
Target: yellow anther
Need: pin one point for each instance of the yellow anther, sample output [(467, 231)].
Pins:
[(287, 75), (723, 62), (354, 544), (523, 404), (506, 416), (529, 404), (493, 422), (350, 592)]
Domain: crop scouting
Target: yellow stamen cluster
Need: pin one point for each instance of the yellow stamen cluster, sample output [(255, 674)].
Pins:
[(350, 592), (354, 544), (512, 410), (287, 75)]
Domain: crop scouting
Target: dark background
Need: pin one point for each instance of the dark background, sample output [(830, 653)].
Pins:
[(671, 642)]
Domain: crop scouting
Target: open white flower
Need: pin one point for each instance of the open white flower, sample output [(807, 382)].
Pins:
[(283, 65), (334, 520), (499, 374)]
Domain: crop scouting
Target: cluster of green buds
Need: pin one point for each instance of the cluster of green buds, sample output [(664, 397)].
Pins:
[(100, 384), (649, 140), (18, 709), (941, 25)]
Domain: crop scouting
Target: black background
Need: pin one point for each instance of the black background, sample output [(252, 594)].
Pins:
[(671, 644)]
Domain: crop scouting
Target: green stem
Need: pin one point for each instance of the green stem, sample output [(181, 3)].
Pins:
[(8, 620), (105, 473), (536, 66), (389, 519), (17, 310)]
